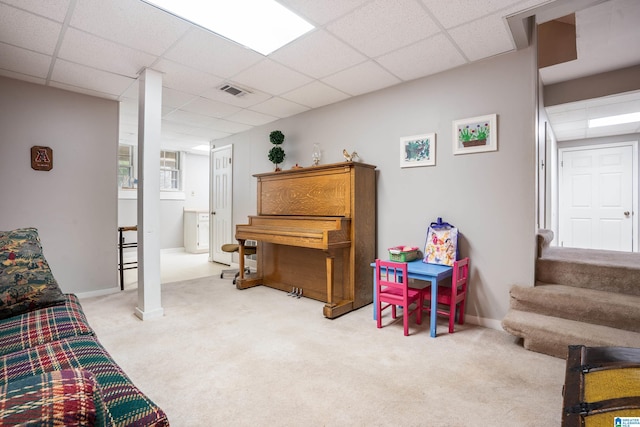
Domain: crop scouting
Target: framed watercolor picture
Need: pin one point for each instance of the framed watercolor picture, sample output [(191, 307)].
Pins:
[(475, 135), (418, 150)]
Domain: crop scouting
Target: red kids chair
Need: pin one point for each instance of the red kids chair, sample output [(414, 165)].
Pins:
[(451, 297), (392, 288)]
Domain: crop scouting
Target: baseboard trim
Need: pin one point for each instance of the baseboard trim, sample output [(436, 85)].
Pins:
[(484, 322), (99, 293)]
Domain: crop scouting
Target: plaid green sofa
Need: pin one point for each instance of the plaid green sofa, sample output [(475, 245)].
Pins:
[(53, 369)]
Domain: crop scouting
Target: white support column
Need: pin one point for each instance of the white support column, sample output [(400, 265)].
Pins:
[(149, 122)]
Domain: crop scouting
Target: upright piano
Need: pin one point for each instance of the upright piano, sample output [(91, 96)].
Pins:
[(316, 232)]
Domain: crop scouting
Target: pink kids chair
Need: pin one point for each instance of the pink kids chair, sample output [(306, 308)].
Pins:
[(451, 297), (392, 288)]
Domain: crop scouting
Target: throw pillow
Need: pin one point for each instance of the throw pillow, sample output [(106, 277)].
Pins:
[(69, 397), (26, 281)]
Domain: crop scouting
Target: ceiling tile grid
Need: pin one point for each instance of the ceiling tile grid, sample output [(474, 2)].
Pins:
[(51, 9), (315, 94), (384, 25), (318, 55), (272, 77), (24, 61), (131, 23), (28, 31), (351, 80), (98, 48), (322, 12), (86, 49), (426, 57)]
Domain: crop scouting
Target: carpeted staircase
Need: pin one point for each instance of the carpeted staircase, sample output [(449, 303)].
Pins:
[(581, 296)]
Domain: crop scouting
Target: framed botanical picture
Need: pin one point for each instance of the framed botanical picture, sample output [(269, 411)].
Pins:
[(475, 135), (418, 150)]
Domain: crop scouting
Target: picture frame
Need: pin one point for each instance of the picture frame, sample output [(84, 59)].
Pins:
[(418, 150), (475, 134)]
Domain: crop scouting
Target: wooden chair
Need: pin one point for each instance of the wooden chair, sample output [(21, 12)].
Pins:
[(392, 288), (451, 297)]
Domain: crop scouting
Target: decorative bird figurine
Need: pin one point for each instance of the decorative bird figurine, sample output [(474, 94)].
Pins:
[(349, 157)]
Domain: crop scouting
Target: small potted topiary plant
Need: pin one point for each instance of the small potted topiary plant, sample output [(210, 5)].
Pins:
[(276, 154)]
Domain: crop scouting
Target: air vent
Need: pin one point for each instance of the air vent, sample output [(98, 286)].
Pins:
[(233, 90)]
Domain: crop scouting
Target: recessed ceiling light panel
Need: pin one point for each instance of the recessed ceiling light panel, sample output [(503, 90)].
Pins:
[(261, 25), (615, 120)]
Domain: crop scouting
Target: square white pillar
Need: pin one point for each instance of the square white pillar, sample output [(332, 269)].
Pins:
[(149, 124)]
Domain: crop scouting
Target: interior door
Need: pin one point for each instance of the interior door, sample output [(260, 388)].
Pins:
[(597, 197), (221, 198)]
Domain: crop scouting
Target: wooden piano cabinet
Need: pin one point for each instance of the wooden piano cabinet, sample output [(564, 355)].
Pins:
[(315, 229)]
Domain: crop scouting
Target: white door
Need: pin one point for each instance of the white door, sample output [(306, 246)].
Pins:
[(598, 197), (221, 203)]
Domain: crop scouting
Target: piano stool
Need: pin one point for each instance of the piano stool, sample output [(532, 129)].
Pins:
[(234, 247)]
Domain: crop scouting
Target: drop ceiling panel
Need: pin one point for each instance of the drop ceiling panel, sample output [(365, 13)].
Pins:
[(252, 97), (230, 127), (358, 46), (100, 81), (252, 118), (483, 38), (272, 77), (51, 9), (209, 107), (188, 118), (22, 77), (202, 133), (381, 26), (315, 94), (132, 23), (321, 12), (22, 29), (363, 78), (92, 51), (185, 79), (318, 55), (452, 13), (86, 91), (279, 107), (208, 52), (24, 61), (175, 98), (428, 56)]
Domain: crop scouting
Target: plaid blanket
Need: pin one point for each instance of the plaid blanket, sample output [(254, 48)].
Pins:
[(69, 397), (125, 404), (42, 326)]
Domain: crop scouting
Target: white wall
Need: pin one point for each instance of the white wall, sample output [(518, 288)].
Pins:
[(73, 205), (490, 197), (196, 186)]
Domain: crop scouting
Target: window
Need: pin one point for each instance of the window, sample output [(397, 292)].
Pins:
[(169, 171), (125, 166)]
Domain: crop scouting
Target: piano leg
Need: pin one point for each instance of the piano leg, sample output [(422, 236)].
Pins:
[(332, 309), (330, 258), (242, 282), (241, 260)]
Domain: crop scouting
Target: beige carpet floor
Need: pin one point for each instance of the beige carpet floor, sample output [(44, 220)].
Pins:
[(257, 357)]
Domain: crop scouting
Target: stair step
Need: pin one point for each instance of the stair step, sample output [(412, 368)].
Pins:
[(553, 335), (615, 310), (617, 272)]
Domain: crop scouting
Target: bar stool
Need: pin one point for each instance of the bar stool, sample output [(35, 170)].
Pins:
[(234, 247)]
